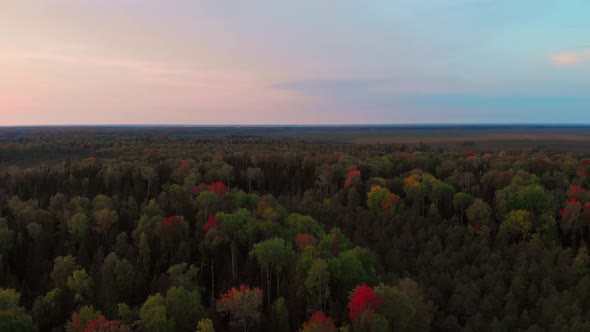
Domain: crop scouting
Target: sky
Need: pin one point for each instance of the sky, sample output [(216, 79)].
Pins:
[(296, 62)]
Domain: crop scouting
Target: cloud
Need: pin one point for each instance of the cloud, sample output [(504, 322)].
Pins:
[(144, 67), (345, 88), (331, 88), (570, 58)]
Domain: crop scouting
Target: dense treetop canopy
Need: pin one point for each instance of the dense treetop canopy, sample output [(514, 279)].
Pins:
[(157, 233)]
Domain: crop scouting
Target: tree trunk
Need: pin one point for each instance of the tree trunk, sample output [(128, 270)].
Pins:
[(212, 281), (233, 260), (278, 282), (320, 296), (326, 298), (261, 277), (268, 283), (573, 243)]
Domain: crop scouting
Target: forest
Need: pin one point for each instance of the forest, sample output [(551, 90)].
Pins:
[(118, 232)]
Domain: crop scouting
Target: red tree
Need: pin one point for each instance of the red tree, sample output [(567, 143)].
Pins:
[(393, 198), (363, 300), (211, 223), (570, 219), (584, 167), (218, 188), (351, 176), (576, 192), (571, 209), (101, 324), (242, 305), (319, 322), (304, 240), (183, 165), (170, 222)]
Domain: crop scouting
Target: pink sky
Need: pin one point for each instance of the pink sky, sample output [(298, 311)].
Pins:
[(264, 62), (71, 63)]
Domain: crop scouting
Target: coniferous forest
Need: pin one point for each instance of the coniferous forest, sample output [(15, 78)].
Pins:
[(117, 232)]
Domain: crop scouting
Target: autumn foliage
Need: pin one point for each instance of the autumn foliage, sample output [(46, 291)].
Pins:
[(170, 222), (210, 223), (218, 188), (101, 324), (75, 323), (572, 209), (363, 300), (381, 199), (242, 305), (351, 176), (183, 165), (304, 240), (319, 322), (576, 192)]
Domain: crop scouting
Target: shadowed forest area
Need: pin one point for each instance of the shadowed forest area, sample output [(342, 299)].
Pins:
[(294, 229)]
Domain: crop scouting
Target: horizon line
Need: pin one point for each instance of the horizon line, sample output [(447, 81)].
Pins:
[(442, 124)]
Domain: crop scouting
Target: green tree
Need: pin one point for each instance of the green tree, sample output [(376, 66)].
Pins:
[(275, 253), (280, 316), (304, 224), (79, 227), (47, 309), (81, 284), (6, 243), (518, 224), (13, 317), (145, 257), (461, 201), (127, 315), (62, 268), (205, 325), (424, 310), (153, 316), (531, 197), (581, 263), (317, 282), (397, 307), (479, 213), (184, 307), (254, 174), (372, 322), (118, 280), (442, 194), (184, 276), (232, 225), (121, 245)]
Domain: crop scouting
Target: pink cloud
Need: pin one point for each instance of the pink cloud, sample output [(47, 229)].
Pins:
[(570, 58)]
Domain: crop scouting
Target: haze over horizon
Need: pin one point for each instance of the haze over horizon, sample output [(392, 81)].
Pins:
[(66, 62)]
